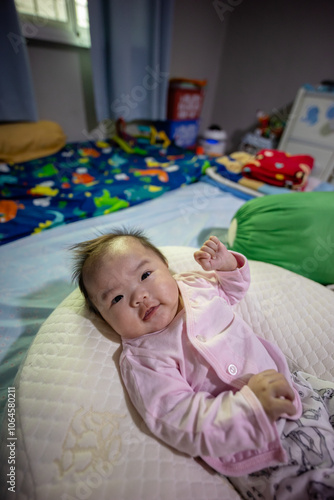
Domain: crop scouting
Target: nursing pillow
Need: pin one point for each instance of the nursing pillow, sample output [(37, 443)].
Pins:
[(291, 230), (79, 437)]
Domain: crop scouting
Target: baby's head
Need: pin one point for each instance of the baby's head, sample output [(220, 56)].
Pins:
[(125, 280)]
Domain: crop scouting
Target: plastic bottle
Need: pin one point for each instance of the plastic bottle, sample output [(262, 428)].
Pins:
[(214, 141)]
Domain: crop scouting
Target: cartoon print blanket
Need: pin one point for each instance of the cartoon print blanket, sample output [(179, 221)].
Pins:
[(86, 180)]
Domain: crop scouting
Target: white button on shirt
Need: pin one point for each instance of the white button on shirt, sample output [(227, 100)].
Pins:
[(201, 338), (232, 369)]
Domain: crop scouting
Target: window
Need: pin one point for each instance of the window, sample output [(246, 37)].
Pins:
[(62, 21)]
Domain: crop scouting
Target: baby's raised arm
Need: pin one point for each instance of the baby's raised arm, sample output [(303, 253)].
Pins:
[(214, 256), (270, 387), (274, 393)]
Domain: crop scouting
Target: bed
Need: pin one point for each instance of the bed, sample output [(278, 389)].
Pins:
[(63, 365), (85, 180)]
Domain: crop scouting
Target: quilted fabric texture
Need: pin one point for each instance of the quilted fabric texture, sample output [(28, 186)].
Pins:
[(78, 437)]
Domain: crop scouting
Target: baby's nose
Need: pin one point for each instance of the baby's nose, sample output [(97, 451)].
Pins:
[(139, 296)]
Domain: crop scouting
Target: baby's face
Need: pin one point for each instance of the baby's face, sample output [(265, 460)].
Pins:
[(132, 289)]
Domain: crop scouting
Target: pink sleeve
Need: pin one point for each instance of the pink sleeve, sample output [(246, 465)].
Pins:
[(195, 423), (234, 284)]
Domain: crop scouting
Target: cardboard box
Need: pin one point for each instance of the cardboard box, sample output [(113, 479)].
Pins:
[(185, 99), (184, 133)]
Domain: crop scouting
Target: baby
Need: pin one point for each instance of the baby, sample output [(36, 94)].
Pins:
[(201, 379)]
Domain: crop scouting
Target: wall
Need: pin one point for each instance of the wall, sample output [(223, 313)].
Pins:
[(270, 50), (62, 79), (197, 43), (255, 55), (62, 74)]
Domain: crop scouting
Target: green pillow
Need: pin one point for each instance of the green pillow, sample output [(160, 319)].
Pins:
[(291, 230)]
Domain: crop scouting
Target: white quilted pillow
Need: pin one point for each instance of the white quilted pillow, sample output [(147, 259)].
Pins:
[(78, 437)]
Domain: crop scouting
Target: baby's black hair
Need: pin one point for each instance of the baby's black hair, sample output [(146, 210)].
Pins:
[(93, 249)]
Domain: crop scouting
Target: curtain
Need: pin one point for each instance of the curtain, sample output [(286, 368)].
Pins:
[(17, 101), (130, 57)]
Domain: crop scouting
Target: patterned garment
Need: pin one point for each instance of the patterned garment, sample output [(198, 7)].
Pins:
[(86, 180), (309, 443)]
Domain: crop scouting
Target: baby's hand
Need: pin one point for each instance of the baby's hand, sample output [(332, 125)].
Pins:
[(213, 255), (274, 392)]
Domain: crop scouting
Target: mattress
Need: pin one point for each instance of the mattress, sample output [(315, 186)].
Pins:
[(77, 435), (87, 179)]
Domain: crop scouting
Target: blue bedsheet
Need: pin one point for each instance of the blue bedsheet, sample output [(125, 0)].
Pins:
[(86, 180)]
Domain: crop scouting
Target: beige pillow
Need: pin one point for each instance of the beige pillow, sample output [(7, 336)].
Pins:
[(30, 140)]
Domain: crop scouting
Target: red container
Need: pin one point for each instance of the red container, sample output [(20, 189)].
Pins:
[(185, 99)]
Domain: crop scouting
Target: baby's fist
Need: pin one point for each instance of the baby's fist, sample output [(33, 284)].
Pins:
[(214, 256)]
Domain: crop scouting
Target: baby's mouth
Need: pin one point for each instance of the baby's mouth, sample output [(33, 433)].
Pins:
[(149, 313)]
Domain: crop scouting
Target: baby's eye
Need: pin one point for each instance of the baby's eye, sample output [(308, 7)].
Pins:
[(117, 299), (145, 275)]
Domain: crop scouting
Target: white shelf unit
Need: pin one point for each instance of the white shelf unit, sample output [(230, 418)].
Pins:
[(310, 131)]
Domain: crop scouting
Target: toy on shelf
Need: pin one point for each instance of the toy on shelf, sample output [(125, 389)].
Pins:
[(269, 126), (267, 133)]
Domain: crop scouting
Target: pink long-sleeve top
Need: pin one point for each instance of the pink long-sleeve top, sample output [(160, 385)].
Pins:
[(189, 380)]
